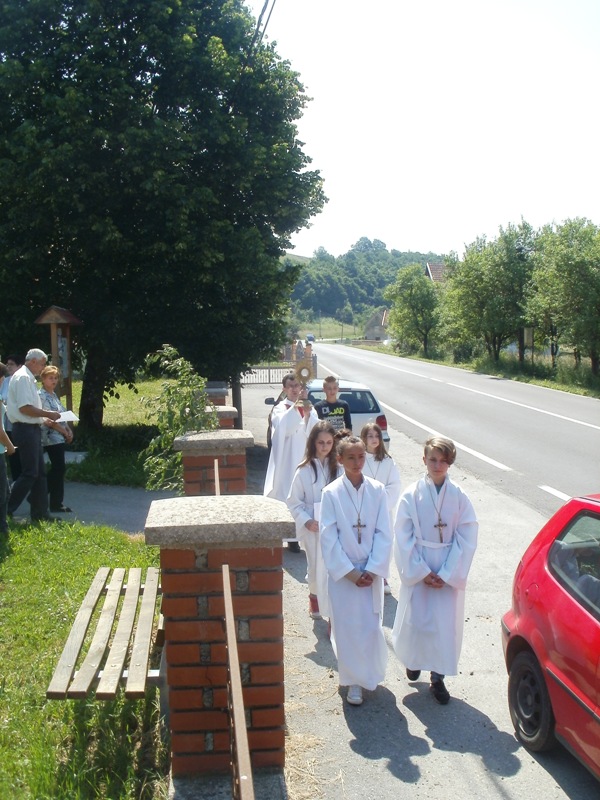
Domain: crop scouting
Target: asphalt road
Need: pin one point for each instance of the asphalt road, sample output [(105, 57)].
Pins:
[(400, 743), (538, 445)]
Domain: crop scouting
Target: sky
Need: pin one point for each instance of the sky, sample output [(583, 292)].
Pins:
[(433, 122)]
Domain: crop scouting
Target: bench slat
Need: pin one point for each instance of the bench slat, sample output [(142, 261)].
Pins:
[(85, 676), (113, 669), (138, 665), (66, 665)]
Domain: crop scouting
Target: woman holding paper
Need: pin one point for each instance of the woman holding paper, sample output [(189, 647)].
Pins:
[(55, 437)]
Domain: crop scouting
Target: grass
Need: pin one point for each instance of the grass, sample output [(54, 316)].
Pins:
[(75, 749), (113, 454)]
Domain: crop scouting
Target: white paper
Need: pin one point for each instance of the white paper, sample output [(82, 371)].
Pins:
[(68, 416)]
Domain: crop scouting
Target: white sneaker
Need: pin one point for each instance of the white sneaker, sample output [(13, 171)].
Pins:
[(354, 696), (387, 589)]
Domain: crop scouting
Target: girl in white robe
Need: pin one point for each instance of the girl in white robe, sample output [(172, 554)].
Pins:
[(319, 467), (435, 541), (380, 466), (356, 543)]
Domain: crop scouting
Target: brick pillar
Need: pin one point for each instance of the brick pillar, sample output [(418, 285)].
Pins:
[(217, 392), (196, 535), (199, 451), (227, 416)]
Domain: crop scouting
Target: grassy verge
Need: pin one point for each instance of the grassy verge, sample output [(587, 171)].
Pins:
[(113, 453), (78, 748)]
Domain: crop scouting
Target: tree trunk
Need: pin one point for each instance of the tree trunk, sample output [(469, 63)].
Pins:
[(521, 345), (95, 378), (595, 359)]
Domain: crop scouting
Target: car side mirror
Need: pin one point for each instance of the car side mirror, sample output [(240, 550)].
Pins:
[(269, 401)]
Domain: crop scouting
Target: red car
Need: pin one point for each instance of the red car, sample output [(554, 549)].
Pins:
[(551, 636)]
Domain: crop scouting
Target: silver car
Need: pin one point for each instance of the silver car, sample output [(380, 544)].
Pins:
[(363, 404)]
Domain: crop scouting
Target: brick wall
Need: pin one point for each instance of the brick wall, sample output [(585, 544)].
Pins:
[(197, 535)]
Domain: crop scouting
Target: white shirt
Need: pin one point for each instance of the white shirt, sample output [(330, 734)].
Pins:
[(22, 391)]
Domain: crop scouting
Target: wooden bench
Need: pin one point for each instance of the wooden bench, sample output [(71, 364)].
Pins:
[(109, 659)]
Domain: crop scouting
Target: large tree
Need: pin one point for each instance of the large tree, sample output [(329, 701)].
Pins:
[(565, 293), (150, 179), (414, 314)]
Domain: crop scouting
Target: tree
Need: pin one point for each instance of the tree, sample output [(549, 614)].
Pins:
[(414, 314), (565, 291), (485, 296), (151, 179)]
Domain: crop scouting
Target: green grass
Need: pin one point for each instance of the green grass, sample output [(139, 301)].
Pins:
[(76, 749), (113, 453)]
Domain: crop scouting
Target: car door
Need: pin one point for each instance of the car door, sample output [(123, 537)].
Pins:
[(572, 584)]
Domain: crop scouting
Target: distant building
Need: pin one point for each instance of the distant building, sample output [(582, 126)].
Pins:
[(435, 272), (376, 328)]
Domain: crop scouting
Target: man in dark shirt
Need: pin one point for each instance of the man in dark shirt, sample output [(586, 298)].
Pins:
[(336, 412)]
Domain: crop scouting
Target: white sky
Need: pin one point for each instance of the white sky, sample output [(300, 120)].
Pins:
[(437, 121)]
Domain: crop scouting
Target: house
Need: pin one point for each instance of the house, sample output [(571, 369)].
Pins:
[(435, 272), (375, 329)]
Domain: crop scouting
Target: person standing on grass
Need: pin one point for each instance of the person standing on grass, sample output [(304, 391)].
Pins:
[(13, 362), (55, 437), (319, 467), (6, 446), (435, 541), (25, 412), (356, 543)]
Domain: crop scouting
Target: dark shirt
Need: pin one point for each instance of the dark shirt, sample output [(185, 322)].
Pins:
[(337, 414)]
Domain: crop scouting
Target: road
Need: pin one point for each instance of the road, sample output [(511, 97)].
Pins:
[(538, 445), (400, 742)]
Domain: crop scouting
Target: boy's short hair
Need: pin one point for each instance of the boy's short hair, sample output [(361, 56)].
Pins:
[(331, 379), (446, 446)]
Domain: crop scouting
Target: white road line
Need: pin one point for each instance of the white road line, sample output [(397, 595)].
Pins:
[(460, 446), (555, 492), (433, 432), (524, 405)]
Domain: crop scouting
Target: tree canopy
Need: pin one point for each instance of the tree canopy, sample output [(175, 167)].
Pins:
[(151, 179)]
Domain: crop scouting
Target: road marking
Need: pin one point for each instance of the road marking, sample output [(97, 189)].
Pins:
[(524, 405), (492, 462), (555, 493), (459, 446), (486, 394)]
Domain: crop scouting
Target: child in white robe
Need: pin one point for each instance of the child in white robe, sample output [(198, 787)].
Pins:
[(380, 466), (435, 541), (319, 467), (356, 543)]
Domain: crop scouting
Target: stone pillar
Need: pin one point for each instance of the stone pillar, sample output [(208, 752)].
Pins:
[(227, 416), (196, 535), (217, 392), (199, 451)]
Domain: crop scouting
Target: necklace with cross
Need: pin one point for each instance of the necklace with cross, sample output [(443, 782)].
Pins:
[(438, 510), (359, 525)]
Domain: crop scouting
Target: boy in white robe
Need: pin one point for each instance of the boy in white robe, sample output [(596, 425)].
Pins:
[(435, 540), (356, 543), (290, 427)]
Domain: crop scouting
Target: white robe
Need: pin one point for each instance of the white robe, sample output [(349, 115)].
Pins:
[(304, 502), (428, 628), (289, 432), (385, 472), (356, 613)]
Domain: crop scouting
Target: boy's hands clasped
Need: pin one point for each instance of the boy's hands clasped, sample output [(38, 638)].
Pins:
[(433, 581)]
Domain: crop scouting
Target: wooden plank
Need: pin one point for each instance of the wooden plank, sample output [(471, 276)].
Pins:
[(138, 665), (66, 665), (242, 769), (113, 669), (86, 675)]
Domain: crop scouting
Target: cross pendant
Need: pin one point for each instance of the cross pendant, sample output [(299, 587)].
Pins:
[(359, 527), (439, 526)]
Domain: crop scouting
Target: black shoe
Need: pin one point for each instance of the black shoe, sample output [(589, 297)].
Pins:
[(294, 547), (439, 691), (413, 674), (61, 510)]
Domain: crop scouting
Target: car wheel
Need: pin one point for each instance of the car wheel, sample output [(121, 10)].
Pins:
[(529, 704)]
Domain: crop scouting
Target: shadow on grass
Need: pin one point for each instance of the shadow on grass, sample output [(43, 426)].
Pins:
[(117, 748)]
